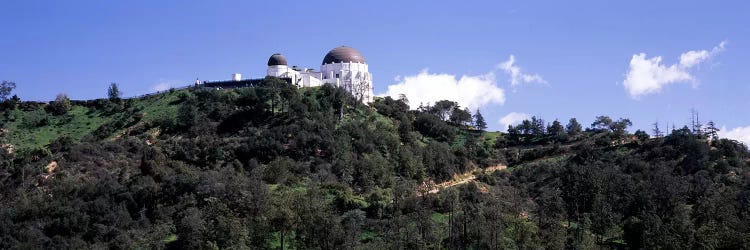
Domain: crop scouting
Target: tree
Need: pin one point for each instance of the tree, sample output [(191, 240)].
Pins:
[(514, 135), (403, 99), (695, 122), (443, 109), (5, 89), (10, 103), (353, 220), (187, 115), (460, 116), (361, 90), (573, 127), (619, 127), (479, 121), (556, 130), (282, 219), (711, 131), (432, 126), (61, 105), (113, 92), (657, 132), (537, 126), (641, 135), (602, 122), (36, 118)]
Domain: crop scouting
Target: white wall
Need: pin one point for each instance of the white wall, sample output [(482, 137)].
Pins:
[(350, 74), (311, 79)]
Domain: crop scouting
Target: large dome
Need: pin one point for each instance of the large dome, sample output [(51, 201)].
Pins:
[(343, 54), (277, 59)]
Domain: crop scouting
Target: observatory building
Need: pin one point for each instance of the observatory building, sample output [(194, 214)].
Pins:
[(342, 67)]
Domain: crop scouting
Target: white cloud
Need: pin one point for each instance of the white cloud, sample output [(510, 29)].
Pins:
[(427, 88), (513, 118), (162, 86), (649, 75), (739, 133), (516, 76)]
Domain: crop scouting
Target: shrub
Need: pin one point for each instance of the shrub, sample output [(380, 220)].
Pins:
[(61, 105), (36, 118)]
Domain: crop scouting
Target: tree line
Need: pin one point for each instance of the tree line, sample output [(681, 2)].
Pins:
[(278, 167)]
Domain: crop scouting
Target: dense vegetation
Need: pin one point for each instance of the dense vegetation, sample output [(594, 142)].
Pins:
[(279, 167)]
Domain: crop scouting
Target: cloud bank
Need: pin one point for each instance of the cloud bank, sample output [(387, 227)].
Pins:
[(512, 118), (161, 86), (740, 134), (427, 88), (469, 91), (516, 75), (648, 75)]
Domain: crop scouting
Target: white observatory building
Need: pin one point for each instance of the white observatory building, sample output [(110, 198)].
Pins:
[(342, 67)]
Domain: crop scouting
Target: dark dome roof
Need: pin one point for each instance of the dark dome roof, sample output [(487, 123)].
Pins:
[(277, 59), (343, 54)]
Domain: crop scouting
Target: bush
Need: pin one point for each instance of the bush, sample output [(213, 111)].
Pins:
[(62, 143), (277, 171), (60, 106), (432, 126), (36, 118)]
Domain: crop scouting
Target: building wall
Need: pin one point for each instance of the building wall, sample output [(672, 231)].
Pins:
[(283, 71), (277, 70), (354, 77), (311, 79)]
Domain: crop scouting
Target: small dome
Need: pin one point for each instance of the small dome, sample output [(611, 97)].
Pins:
[(277, 59), (343, 54)]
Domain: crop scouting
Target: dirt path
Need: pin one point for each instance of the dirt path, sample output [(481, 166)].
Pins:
[(432, 188)]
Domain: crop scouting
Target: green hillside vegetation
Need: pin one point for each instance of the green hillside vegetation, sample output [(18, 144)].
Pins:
[(276, 167), (31, 126)]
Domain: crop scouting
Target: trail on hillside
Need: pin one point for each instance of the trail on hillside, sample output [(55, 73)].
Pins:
[(432, 188)]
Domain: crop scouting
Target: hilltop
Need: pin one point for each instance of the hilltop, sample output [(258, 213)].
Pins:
[(276, 166)]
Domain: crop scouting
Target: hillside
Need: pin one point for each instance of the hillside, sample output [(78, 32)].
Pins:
[(276, 167)]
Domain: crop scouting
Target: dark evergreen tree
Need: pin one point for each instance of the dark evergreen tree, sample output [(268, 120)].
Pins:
[(657, 131), (573, 128), (113, 92), (556, 131), (711, 131), (479, 121)]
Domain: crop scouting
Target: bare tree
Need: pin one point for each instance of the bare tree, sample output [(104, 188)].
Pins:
[(657, 132), (360, 90)]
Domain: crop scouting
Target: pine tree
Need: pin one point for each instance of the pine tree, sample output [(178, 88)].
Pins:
[(556, 130), (574, 128), (695, 122), (113, 92), (711, 131), (479, 121), (657, 132)]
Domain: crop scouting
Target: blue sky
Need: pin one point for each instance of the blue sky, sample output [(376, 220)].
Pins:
[(581, 59)]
